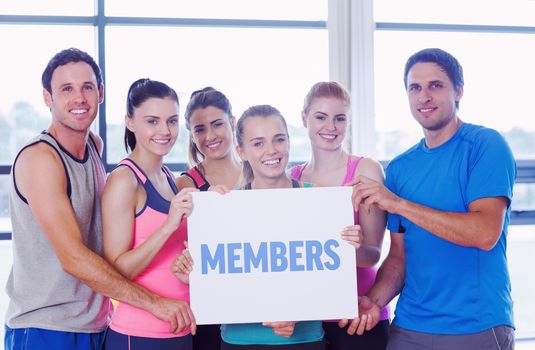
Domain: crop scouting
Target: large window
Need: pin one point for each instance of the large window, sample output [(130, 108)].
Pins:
[(26, 50), (458, 12), (296, 10), (48, 8), (250, 65), (271, 51), (497, 65), (497, 79), (267, 52), (496, 52)]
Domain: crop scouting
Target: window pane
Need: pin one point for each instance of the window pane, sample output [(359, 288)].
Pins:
[(523, 197), (5, 222), (251, 66), (497, 86), (520, 250), (313, 10), (6, 260), (23, 113), (487, 12), (48, 7)]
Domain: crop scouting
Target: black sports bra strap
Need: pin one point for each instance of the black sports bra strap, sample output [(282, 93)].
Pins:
[(198, 179)]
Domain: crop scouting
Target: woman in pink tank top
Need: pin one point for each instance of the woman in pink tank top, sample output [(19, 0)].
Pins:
[(144, 220), (326, 116)]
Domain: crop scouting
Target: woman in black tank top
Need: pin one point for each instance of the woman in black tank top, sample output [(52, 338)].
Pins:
[(211, 152)]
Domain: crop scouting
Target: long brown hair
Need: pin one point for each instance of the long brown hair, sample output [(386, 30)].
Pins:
[(200, 99)]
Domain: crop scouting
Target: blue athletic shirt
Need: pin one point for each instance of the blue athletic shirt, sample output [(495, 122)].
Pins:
[(256, 333), (451, 289)]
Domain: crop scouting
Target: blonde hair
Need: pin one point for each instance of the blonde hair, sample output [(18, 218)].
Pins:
[(263, 111), (326, 89)]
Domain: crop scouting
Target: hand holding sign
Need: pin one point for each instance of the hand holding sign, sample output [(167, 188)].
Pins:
[(284, 329), (274, 254), (370, 315), (183, 265), (353, 235)]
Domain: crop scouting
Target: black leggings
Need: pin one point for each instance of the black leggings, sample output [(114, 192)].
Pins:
[(208, 337), (336, 338)]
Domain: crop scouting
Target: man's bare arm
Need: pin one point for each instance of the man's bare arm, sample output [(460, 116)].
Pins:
[(480, 227), (391, 275), (41, 179), (372, 222)]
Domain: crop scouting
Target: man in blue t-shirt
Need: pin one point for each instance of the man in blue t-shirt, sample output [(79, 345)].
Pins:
[(448, 199)]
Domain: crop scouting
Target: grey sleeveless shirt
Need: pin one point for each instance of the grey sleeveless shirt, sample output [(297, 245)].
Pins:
[(41, 294)]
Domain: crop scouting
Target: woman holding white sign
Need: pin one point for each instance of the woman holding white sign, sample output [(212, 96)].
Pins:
[(326, 113), (213, 160), (143, 220), (263, 145)]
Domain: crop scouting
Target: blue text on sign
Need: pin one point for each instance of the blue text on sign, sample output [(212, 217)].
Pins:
[(310, 255)]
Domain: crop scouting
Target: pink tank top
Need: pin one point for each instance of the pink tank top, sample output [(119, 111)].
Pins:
[(365, 275), (157, 277)]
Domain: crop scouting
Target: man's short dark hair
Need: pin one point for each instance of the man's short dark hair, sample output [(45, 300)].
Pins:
[(446, 61), (64, 57)]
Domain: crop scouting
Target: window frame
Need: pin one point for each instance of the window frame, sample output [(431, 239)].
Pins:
[(363, 120), (99, 21), (525, 167), (352, 66)]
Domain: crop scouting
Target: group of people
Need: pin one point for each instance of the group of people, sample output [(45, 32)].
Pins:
[(81, 237)]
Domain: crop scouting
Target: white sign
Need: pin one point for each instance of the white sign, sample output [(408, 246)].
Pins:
[(272, 255)]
